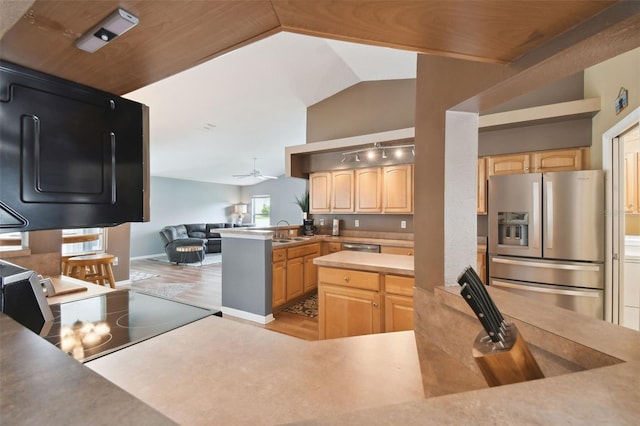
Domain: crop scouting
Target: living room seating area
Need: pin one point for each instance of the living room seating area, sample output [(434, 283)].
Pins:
[(193, 234)]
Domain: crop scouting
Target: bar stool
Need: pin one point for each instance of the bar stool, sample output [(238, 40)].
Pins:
[(94, 268)]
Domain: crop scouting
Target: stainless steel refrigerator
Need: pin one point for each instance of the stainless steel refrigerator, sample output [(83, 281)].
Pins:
[(546, 237)]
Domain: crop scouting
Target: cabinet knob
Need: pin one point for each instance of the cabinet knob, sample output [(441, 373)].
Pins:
[(346, 279), (375, 305)]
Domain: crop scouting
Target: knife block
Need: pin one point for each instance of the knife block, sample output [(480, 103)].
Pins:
[(512, 363)]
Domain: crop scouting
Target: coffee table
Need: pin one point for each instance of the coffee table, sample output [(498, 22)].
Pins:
[(185, 250)]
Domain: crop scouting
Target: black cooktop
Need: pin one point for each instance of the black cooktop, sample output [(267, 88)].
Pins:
[(89, 328)]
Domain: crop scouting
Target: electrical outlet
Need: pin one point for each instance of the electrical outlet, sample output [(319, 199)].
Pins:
[(115, 261), (321, 222), (403, 224), (357, 223)]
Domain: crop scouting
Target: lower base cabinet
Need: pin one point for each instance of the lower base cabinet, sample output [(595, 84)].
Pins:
[(353, 303), (348, 312)]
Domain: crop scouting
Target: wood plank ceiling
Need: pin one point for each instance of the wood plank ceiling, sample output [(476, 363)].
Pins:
[(176, 35)]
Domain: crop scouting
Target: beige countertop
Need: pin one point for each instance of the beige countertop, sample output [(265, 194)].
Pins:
[(374, 262), (220, 371)]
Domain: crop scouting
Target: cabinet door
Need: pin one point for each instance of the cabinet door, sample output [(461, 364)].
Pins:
[(398, 313), (397, 183), (631, 182), (482, 266), (481, 207), (310, 273), (407, 251), (342, 199), (557, 160), (508, 164), (320, 192), (295, 277), (345, 312), (368, 190), (278, 283)]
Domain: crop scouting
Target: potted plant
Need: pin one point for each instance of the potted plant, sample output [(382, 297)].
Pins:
[(303, 203)]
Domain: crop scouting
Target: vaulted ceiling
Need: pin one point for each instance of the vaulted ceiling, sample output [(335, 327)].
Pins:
[(174, 36)]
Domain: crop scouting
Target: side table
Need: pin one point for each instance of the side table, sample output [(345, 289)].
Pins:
[(184, 253)]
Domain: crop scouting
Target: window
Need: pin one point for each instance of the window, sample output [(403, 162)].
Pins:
[(261, 210), (14, 241)]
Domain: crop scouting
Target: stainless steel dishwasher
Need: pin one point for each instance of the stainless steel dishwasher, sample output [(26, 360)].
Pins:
[(369, 248)]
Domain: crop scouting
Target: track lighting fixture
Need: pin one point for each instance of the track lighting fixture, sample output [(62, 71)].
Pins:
[(398, 151)]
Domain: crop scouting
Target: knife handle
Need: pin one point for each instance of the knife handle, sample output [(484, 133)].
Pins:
[(475, 307)]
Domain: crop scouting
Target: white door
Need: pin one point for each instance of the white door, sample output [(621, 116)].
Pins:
[(623, 225)]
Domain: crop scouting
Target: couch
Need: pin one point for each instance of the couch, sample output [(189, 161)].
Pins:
[(193, 234)]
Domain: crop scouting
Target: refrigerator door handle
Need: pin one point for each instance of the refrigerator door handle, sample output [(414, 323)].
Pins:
[(586, 268), (549, 213), (578, 293), (536, 215)]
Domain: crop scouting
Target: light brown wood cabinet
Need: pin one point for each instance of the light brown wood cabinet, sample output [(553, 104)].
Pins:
[(353, 302), (398, 303), (407, 251), (368, 191), (508, 164), (279, 277), (342, 191), (481, 196), (482, 263), (556, 160), (348, 303), (330, 247), (631, 182), (397, 193), (293, 273), (320, 192)]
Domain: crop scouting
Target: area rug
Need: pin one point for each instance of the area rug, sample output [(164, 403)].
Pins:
[(307, 307), (139, 275), (209, 259), (168, 290)]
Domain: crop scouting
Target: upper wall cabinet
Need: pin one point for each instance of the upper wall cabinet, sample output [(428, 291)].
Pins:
[(397, 194), (343, 185), (541, 161), (368, 190), (320, 192), (481, 199)]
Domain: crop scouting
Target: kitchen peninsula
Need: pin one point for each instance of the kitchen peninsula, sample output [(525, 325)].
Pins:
[(217, 370)]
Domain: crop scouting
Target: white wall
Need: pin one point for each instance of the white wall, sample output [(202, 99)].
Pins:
[(283, 193), (176, 201)]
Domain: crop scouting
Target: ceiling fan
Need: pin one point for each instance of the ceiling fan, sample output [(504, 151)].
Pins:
[(255, 173)]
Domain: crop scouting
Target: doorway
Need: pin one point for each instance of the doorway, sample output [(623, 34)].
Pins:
[(621, 162)]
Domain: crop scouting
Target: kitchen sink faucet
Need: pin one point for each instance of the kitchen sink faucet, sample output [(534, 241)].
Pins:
[(278, 224)]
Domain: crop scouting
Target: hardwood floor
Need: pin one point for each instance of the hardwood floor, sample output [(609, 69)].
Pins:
[(207, 292)]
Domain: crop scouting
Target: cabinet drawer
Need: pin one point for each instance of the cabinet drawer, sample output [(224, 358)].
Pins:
[(407, 251), (278, 255), (306, 250), (350, 278), (335, 247), (401, 285)]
